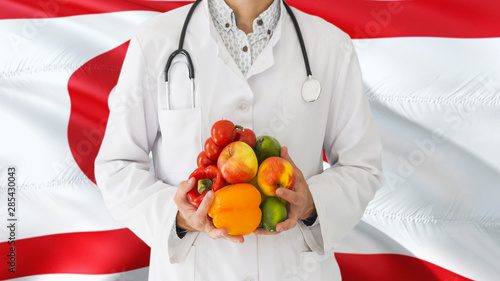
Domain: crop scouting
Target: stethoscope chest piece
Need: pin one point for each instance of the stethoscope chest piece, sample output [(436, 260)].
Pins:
[(311, 89)]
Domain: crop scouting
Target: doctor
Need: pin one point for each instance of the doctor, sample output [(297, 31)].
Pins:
[(249, 69)]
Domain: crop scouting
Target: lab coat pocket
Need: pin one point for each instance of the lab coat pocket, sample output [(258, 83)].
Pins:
[(318, 267), (188, 266), (181, 141), (161, 269)]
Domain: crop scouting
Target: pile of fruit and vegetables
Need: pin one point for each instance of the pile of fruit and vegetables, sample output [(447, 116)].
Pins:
[(244, 172)]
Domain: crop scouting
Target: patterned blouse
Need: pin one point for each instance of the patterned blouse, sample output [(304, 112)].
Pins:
[(244, 48)]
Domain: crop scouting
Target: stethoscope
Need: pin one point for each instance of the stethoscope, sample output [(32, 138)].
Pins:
[(311, 89)]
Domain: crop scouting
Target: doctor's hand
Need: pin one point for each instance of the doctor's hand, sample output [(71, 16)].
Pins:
[(300, 201), (196, 219)]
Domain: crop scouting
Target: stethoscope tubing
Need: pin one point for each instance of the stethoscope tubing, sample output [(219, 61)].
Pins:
[(301, 39)]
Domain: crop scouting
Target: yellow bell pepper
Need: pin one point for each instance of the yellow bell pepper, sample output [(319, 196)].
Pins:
[(236, 208)]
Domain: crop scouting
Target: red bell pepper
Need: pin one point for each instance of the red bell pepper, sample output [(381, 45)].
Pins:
[(207, 178)]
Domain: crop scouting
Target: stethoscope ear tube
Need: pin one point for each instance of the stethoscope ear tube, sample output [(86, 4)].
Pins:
[(183, 52), (189, 65)]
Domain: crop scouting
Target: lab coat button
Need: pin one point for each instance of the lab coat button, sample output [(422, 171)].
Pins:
[(243, 107), (249, 279)]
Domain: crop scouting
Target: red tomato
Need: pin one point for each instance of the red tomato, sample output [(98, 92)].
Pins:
[(212, 150), (223, 132), (247, 136), (203, 160)]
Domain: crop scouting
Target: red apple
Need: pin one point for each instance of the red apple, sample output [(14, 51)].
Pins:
[(237, 163), (275, 172)]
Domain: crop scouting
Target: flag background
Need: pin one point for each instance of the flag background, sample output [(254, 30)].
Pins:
[(431, 72)]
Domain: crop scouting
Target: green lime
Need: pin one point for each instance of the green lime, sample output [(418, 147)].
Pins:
[(273, 212), (265, 147)]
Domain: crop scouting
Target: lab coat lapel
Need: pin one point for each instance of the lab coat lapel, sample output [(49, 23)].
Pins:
[(222, 52), (266, 58), (224, 55), (264, 61)]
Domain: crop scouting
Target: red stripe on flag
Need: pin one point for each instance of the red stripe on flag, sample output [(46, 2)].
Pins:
[(19, 9), (383, 267), (102, 252), (114, 251), (359, 18), (430, 18), (89, 88)]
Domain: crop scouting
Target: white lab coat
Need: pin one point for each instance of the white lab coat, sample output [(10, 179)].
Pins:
[(269, 101)]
